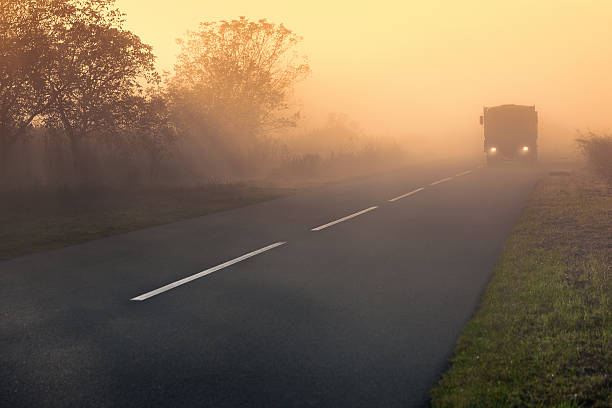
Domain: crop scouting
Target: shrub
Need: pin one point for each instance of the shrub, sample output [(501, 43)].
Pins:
[(598, 152)]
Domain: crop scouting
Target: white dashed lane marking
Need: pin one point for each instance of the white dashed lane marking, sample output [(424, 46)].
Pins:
[(348, 217), (441, 181), (407, 194), (188, 279)]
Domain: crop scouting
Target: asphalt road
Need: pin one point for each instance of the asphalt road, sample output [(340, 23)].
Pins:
[(361, 313)]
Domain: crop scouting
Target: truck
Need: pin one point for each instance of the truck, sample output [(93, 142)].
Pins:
[(510, 133)]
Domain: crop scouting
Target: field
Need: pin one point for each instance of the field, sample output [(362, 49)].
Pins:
[(543, 333), (43, 219)]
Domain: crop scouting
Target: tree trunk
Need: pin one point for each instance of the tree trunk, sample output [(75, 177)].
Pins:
[(154, 162), (4, 156), (79, 163), (7, 140), (78, 160)]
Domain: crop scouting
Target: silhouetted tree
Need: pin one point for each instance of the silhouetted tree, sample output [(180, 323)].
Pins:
[(145, 126), (66, 63), (25, 60), (98, 63)]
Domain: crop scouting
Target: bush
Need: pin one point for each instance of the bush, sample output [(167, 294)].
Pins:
[(598, 152)]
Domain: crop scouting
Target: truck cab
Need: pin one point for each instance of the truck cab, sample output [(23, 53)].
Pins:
[(510, 133)]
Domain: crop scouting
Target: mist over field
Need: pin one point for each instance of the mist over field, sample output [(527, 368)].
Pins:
[(257, 90), (422, 71), (294, 204)]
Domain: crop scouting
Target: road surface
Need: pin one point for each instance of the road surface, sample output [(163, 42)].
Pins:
[(352, 295)]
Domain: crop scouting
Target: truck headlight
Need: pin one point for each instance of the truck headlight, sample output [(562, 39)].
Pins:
[(493, 149), (525, 148)]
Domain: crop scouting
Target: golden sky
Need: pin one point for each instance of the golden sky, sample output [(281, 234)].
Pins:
[(426, 66)]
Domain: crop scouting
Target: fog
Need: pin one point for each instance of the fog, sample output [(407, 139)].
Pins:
[(349, 85), (421, 71)]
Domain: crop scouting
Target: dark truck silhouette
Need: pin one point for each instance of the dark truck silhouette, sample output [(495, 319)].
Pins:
[(510, 133)]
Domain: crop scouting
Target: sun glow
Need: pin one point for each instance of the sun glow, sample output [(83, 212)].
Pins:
[(425, 67)]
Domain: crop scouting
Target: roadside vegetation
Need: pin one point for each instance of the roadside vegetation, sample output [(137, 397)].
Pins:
[(543, 333), (95, 141), (82, 103), (598, 152)]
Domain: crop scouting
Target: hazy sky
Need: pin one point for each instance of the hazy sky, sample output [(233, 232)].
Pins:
[(426, 66)]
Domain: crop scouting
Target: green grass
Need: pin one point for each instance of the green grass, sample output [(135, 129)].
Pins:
[(48, 219), (542, 336)]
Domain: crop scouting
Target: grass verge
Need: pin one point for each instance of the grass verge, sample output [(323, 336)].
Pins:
[(542, 336), (48, 219)]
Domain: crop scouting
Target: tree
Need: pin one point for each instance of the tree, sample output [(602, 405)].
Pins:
[(240, 73), (67, 63), (146, 128), (25, 59), (98, 63)]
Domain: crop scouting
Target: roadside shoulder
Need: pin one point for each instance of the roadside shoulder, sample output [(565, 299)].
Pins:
[(543, 333)]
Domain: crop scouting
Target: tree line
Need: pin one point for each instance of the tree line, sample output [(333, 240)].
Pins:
[(71, 70)]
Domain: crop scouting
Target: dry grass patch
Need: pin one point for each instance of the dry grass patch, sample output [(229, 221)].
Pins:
[(48, 219)]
